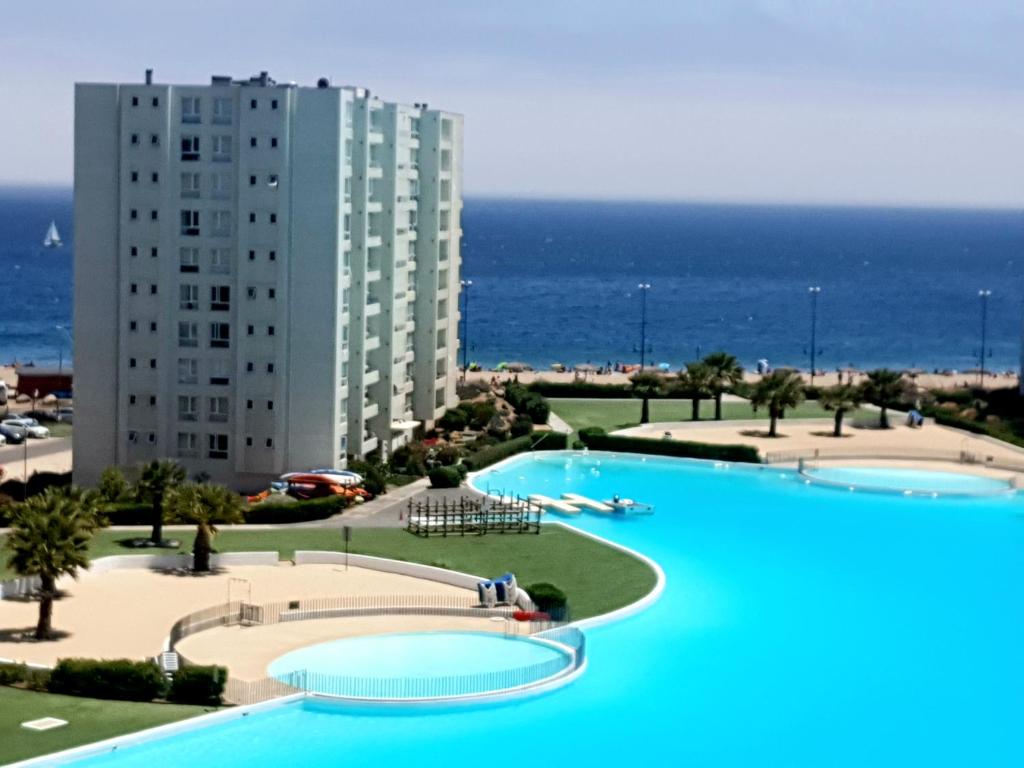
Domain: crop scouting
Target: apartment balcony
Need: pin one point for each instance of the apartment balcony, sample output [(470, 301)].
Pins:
[(373, 275), (374, 206), (441, 381), (410, 326), (370, 410), (374, 241), (372, 308), (376, 172), (372, 343), (370, 377), (370, 444), (374, 137)]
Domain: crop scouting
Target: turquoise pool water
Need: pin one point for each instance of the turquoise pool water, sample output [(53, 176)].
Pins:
[(899, 480), (800, 626), (421, 664)]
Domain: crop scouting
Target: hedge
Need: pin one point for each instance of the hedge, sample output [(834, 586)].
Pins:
[(548, 598), (1000, 431), (136, 513), (581, 389), (595, 439), (549, 441), (33, 678), (198, 685), (445, 477), (37, 483), (119, 679)]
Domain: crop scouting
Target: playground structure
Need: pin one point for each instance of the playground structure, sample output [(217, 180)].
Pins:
[(468, 515)]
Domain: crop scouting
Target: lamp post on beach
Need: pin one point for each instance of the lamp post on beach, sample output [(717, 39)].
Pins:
[(644, 288), (983, 294), (814, 291), (60, 349), (465, 284)]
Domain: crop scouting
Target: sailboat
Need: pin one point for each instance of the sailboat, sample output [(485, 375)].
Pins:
[(52, 239)]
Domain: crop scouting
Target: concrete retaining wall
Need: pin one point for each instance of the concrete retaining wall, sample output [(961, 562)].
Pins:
[(26, 586)]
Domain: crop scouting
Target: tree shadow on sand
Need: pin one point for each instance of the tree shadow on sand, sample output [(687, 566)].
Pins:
[(760, 433), (28, 635)]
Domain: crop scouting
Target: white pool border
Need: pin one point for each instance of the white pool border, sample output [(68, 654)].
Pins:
[(530, 690)]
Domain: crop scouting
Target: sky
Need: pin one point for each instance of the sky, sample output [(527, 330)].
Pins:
[(865, 102)]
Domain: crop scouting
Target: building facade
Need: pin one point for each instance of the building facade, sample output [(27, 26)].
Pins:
[(266, 275)]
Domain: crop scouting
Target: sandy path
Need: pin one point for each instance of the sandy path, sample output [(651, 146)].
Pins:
[(128, 613)]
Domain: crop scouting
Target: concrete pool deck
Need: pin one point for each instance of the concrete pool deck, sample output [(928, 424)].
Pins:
[(128, 613)]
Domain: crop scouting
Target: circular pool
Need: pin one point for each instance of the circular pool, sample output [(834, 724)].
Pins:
[(421, 665), (907, 481)]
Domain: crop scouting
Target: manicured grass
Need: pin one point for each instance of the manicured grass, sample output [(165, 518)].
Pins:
[(89, 720), (619, 414), (597, 578)]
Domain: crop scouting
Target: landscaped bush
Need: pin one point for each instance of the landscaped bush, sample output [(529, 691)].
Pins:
[(120, 679), (113, 486), (550, 441), (295, 511), (33, 678), (523, 425), (198, 685), (481, 413), (454, 419), (445, 477), (527, 402), (410, 459), (448, 455), (549, 599), (596, 439), (375, 475), (580, 389)]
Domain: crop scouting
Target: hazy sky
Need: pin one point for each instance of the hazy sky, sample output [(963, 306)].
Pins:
[(865, 101)]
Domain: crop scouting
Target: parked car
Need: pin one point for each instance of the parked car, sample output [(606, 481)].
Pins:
[(63, 414), (11, 435), (32, 427)]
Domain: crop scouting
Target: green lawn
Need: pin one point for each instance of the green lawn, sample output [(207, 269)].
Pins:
[(597, 578), (619, 414), (89, 720)]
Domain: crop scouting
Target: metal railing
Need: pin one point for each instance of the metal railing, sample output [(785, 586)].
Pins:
[(916, 454), (568, 639)]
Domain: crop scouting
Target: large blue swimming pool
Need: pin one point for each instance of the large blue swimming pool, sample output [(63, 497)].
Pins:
[(800, 626)]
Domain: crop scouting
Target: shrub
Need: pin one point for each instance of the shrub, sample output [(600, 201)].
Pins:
[(37, 483), (597, 440), (536, 408), (550, 441), (454, 419), (375, 475), (448, 455), (410, 459), (445, 477), (550, 599), (523, 425), (198, 685), (296, 511), (112, 485), (33, 678), (120, 679), (481, 413), (580, 389)]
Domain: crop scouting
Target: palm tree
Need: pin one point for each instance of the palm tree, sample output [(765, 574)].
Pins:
[(696, 382), (645, 386), (779, 390), (49, 538), (206, 507), (841, 399), (726, 374), (158, 477), (884, 387)]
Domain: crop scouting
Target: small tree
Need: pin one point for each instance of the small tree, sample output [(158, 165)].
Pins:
[(840, 399), (157, 479), (779, 390), (112, 485), (726, 373), (49, 538), (646, 385), (884, 388), (206, 507), (696, 382)]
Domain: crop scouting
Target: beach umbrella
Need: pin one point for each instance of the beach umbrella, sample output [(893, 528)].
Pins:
[(518, 367), (664, 367)]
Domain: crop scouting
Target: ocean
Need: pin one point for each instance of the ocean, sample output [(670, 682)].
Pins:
[(556, 281)]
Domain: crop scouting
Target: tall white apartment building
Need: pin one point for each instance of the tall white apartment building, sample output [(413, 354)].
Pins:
[(266, 275)]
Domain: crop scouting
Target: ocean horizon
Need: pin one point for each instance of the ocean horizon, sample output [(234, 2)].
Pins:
[(555, 281)]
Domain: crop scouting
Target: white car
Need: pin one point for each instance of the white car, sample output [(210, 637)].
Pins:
[(31, 426)]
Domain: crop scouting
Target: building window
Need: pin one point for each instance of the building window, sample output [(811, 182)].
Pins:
[(273, 103), (220, 261), (270, 442), (154, 139), (135, 101), (154, 177), (218, 409), (190, 185), (248, 405), (270, 330), (156, 102), (152, 400), (152, 326), (252, 255), (252, 103), (135, 176), (152, 363), (189, 261), (131, 399), (273, 218), (250, 330), (273, 255), (220, 298), (248, 367), (272, 180), (221, 185), (248, 442), (131, 362), (188, 370), (220, 372), (133, 214), (133, 326), (133, 288), (222, 111), (217, 446), (252, 217), (250, 292), (135, 139), (252, 141), (154, 252), (152, 289), (222, 223), (133, 436), (190, 109), (222, 149), (270, 405), (154, 215), (252, 181), (190, 223), (220, 335), (270, 367), (133, 251), (189, 148), (273, 141), (187, 444), (188, 335), (151, 438), (271, 293)]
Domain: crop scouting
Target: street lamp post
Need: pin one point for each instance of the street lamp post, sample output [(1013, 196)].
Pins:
[(644, 288), (814, 291), (60, 349), (983, 294), (465, 284)]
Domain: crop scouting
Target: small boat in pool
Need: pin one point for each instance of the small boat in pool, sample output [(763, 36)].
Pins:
[(629, 506)]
